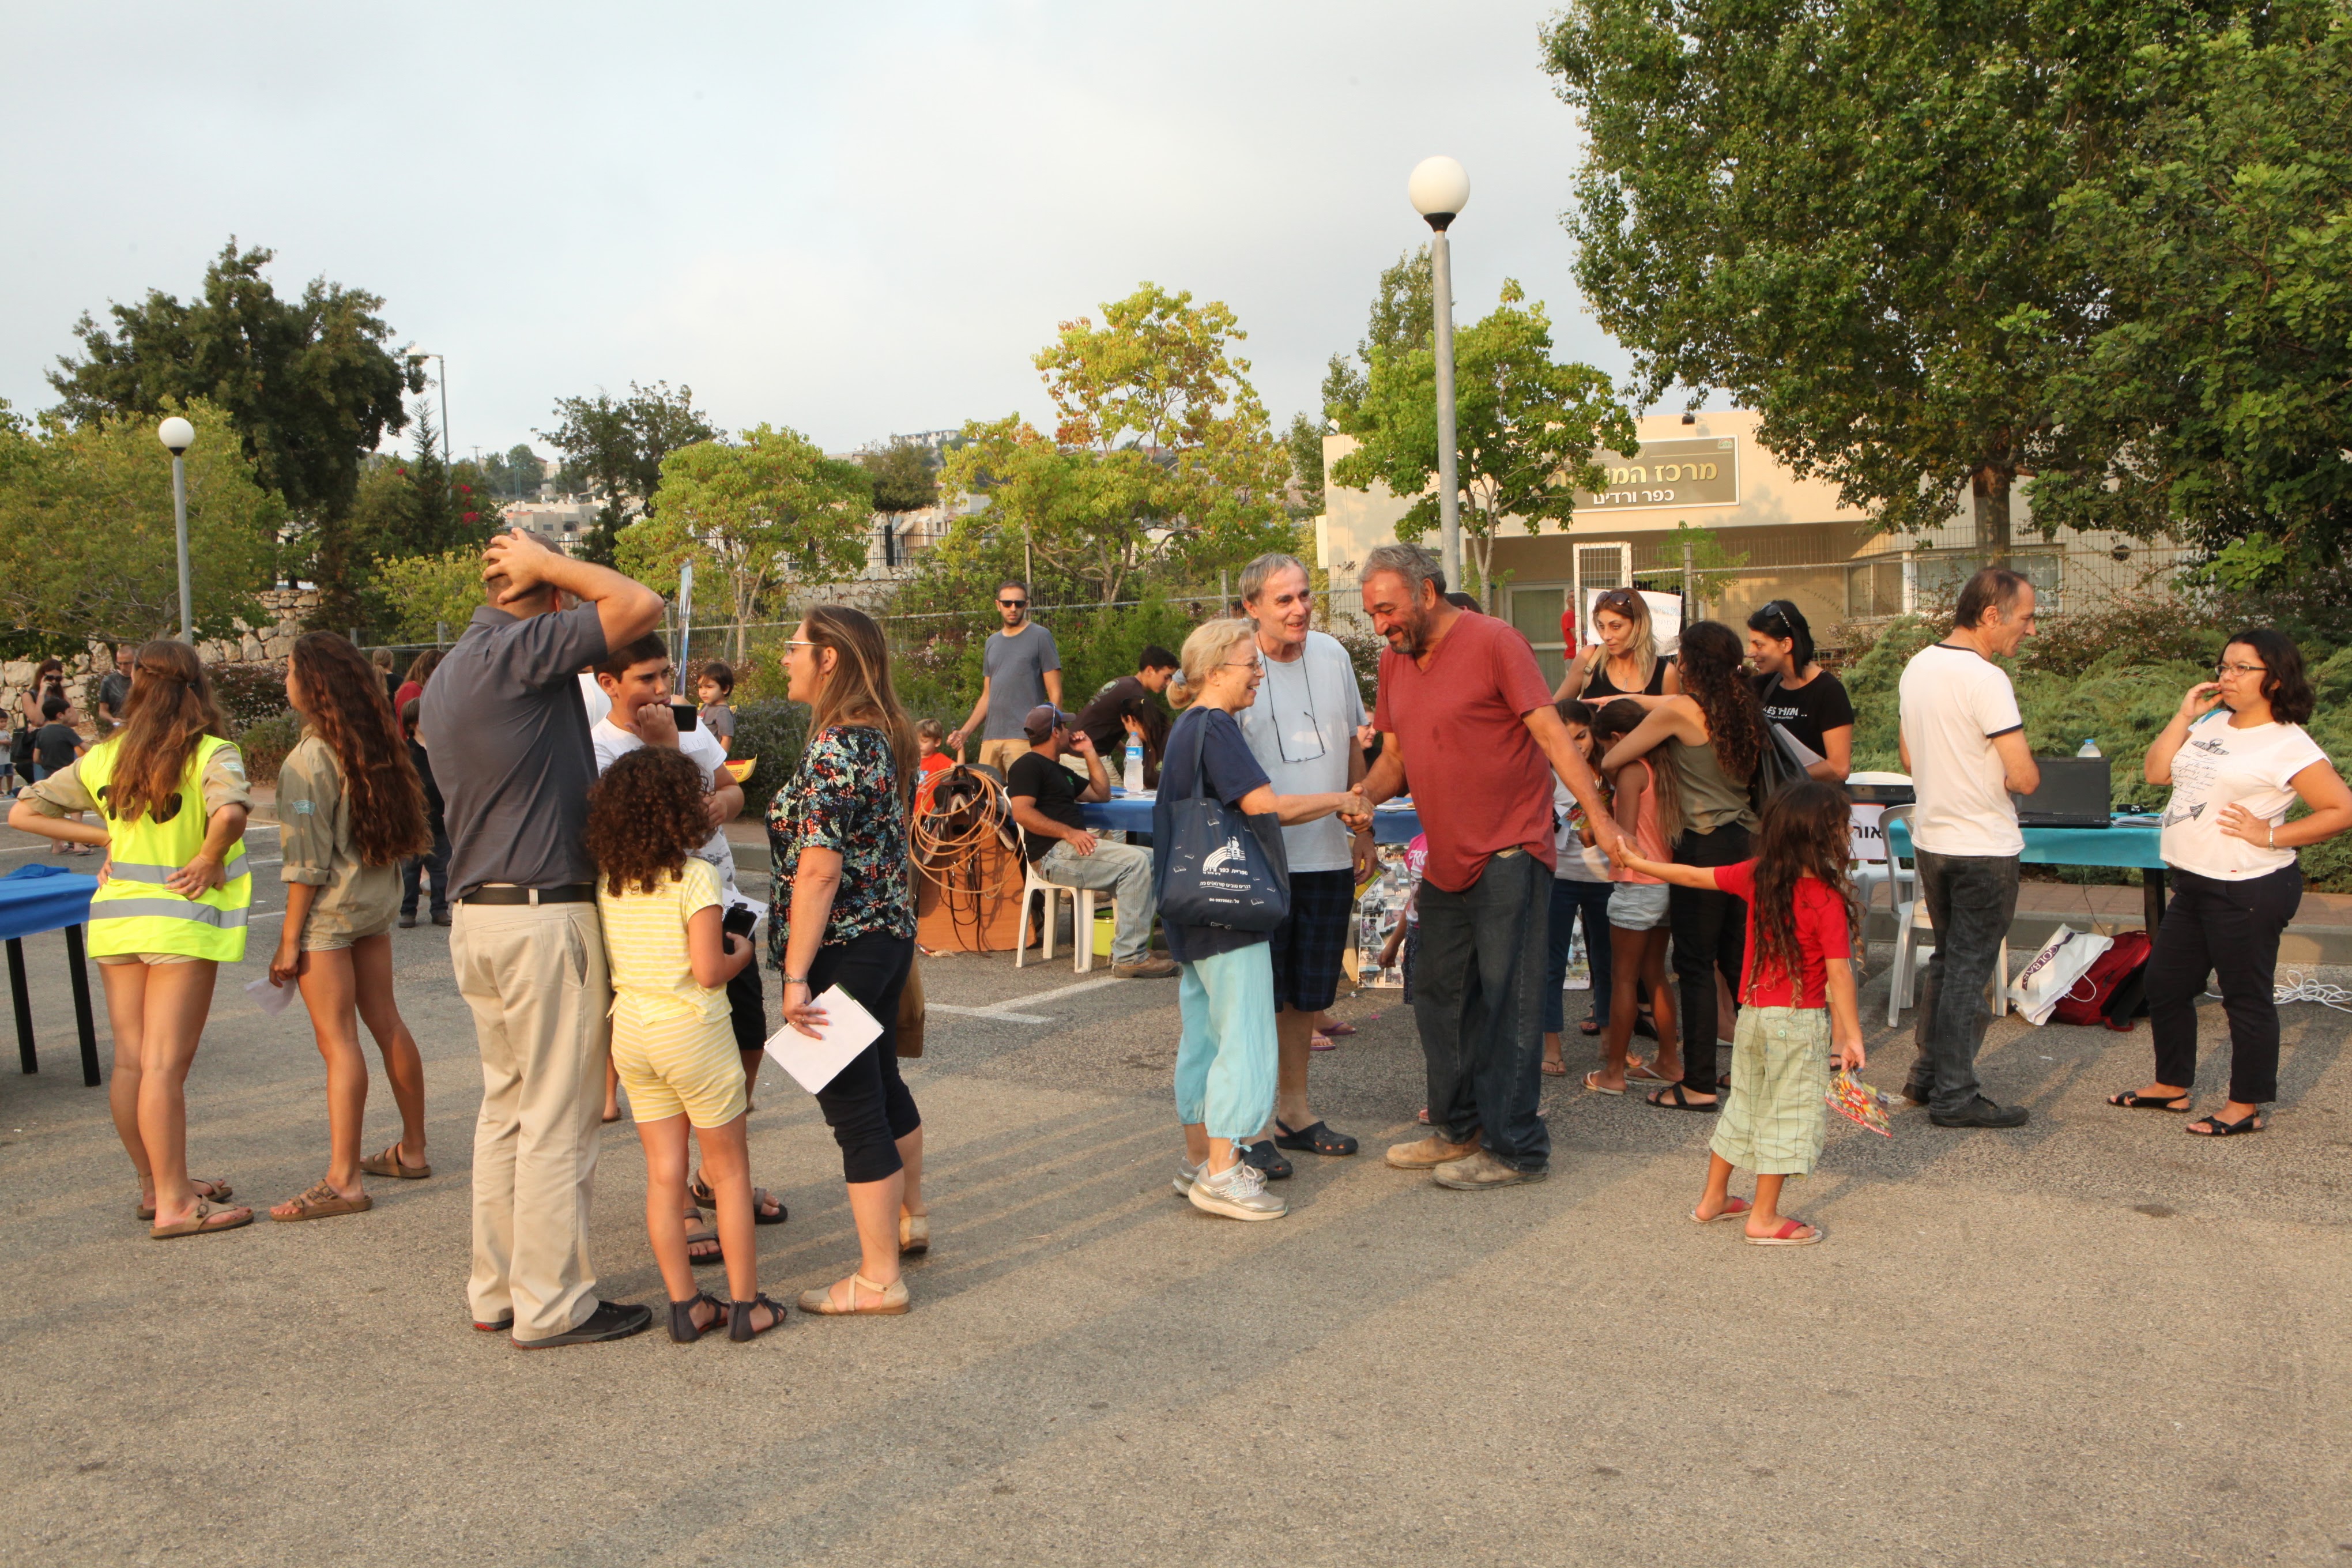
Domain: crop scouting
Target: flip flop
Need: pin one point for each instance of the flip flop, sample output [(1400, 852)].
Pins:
[(218, 1190), (1680, 1102), (200, 1223), (1319, 1041), (388, 1165), (1787, 1235), (1642, 1072), (1337, 1031), (1599, 1088), (2216, 1128), (2178, 1104), (1554, 1070), (1732, 1209)]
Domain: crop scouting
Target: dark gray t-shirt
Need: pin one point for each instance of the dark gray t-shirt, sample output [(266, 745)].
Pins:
[(1015, 668), (509, 738)]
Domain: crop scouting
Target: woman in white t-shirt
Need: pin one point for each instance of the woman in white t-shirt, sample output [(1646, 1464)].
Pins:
[(2235, 770)]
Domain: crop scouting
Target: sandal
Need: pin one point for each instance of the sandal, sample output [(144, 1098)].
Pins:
[(201, 1222), (1590, 1026), (1643, 1072), (699, 1191), (2177, 1104), (319, 1201), (893, 1302), (2214, 1127), (1594, 1087), (1319, 1041), (914, 1235), (1680, 1102), (204, 1187), (739, 1317), (707, 1237), (1787, 1235), (1336, 1030), (1554, 1068), (1315, 1138), (388, 1165), (1732, 1209), (683, 1328)]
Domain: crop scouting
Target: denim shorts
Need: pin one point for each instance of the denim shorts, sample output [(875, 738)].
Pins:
[(1638, 906)]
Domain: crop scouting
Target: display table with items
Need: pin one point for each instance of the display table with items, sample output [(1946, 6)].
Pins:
[(37, 898), (2129, 841)]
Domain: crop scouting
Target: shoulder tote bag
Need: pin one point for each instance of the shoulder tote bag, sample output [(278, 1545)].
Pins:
[(1225, 868), (1776, 768)]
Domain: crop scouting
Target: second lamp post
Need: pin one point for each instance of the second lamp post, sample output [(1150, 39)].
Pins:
[(1439, 187)]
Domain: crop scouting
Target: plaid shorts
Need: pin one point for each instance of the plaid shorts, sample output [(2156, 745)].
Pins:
[(1774, 1121), (1309, 946)]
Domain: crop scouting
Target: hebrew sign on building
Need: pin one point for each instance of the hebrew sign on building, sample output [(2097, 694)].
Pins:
[(1703, 471)]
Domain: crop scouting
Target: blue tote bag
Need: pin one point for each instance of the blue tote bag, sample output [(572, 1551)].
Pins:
[(1224, 868)]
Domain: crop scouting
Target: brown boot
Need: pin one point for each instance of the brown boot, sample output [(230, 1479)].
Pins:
[(1426, 1153)]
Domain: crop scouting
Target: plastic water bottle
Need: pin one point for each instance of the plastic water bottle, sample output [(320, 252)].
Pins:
[(1131, 776), (2089, 748)]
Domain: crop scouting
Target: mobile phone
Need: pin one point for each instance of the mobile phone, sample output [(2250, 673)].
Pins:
[(738, 921), (683, 713)]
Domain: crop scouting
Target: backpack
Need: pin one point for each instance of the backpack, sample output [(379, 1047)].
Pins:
[(2114, 990)]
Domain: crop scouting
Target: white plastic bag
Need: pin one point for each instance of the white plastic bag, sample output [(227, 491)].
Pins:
[(2063, 961)]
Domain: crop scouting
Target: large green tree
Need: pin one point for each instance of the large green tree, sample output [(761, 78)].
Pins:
[(1526, 427), (1404, 317), (752, 515), (86, 540), (614, 448), (307, 383), (1162, 454)]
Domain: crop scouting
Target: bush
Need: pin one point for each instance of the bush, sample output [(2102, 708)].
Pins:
[(266, 743), (249, 693), (774, 732), (2137, 631)]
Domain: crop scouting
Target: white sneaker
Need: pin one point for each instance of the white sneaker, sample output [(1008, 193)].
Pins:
[(1187, 1173), (1239, 1194)]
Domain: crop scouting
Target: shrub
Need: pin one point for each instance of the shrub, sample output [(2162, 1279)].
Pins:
[(774, 732), (249, 693), (266, 742), (2150, 631)]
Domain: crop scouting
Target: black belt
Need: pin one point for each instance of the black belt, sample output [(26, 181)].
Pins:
[(569, 893)]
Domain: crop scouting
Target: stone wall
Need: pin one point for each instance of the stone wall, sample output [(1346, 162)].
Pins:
[(253, 645)]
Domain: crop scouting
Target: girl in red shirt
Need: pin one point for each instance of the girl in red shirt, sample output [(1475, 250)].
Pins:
[(1798, 1002)]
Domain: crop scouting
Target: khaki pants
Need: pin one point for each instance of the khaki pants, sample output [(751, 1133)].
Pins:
[(535, 977), (999, 754)]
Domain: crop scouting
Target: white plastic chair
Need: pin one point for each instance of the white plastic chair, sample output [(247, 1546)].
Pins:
[(1910, 919), (1869, 876), (1082, 900)]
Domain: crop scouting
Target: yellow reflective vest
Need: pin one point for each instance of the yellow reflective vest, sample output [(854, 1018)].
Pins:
[(133, 911)]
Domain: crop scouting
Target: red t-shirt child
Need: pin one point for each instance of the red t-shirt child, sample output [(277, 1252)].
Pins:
[(1822, 935), (931, 767)]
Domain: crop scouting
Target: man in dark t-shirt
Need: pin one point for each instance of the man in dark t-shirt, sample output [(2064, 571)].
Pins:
[(1107, 714), (1044, 799)]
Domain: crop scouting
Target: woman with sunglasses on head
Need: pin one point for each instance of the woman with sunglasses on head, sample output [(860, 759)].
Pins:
[(1626, 662), (1799, 695), (2237, 758)]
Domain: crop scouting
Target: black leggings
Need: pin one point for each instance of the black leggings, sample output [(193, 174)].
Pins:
[(1710, 939), (866, 1104), (2232, 929)]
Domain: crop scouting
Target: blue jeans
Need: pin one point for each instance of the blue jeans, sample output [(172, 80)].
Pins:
[(1970, 900), (1568, 899), (434, 863), (1475, 999)]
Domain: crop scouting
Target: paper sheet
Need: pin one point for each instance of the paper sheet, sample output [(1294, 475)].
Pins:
[(848, 1029), (270, 998)]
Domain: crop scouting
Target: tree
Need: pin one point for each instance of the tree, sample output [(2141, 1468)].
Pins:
[(1304, 441), (2219, 368), (1831, 211), (431, 595), (1403, 316), (87, 548), (1526, 427), (905, 473), (516, 474), (614, 449), (1163, 451), (419, 505), (307, 385), (750, 516)]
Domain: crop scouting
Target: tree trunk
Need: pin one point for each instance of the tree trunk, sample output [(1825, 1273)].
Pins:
[(1990, 487)]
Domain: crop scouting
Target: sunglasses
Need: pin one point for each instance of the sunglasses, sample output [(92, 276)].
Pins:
[(1013, 604)]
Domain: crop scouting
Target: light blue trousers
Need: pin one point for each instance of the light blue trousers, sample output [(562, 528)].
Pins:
[(1225, 1063)]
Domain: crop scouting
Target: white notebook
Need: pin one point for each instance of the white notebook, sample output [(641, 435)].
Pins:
[(848, 1028)]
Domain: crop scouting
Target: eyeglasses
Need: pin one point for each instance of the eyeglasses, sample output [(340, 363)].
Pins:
[(1243, 664), (1013, 604), (2227, 668)]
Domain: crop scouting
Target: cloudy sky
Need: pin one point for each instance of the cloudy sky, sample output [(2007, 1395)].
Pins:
[(851, 219)]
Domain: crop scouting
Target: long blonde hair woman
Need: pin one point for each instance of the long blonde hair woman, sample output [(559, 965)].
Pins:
[(845, 915), (1626, 662), (170, 794)]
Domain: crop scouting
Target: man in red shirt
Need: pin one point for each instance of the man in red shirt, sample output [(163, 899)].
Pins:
[(1463, 703)]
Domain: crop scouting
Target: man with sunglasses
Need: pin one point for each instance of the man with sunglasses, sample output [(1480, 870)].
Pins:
[(1020, 669)]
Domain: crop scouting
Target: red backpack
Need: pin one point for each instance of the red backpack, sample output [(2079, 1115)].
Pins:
[(2112, 990)]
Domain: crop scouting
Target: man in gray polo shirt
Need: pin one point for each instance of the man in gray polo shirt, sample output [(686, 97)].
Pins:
[(509, 737)]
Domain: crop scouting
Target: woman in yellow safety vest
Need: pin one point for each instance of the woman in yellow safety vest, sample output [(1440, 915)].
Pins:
[(349, 809), (169, 910)]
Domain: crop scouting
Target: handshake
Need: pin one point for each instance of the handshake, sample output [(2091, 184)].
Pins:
[(1355, 810)]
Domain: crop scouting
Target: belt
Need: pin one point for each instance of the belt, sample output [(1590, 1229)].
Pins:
[(569, 893)]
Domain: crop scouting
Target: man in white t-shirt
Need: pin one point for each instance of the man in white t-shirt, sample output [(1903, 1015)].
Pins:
[(1302, 730), (637, 683), (1964, 745)]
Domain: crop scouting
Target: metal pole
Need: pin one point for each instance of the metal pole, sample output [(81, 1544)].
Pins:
[(1449, 483), (1690, 587), (179, 529)]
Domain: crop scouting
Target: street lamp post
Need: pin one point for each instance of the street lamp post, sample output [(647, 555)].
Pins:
[(441, 380), (178, 434), (1438, 189)]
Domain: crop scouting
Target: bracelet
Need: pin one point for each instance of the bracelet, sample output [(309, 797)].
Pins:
[(795, 979), (2273, 835)]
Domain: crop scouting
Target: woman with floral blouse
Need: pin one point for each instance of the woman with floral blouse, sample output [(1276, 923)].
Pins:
[(845, 915)]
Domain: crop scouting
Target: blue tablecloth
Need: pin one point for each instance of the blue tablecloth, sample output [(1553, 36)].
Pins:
[(2131, 841), (1392, 824), (40, 898)]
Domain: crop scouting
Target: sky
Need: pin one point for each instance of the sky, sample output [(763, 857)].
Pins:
[(854, 220)]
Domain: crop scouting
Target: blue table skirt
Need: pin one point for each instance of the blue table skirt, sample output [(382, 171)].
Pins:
[(2131, 841), (1392, 824), (38, 897)]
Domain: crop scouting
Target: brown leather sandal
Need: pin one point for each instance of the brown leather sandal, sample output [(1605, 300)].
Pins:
[(388, 1165), (320, 1201), (202, 1223), (204, 1187)]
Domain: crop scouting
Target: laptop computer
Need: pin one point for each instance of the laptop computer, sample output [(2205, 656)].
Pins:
[(2077, 792)]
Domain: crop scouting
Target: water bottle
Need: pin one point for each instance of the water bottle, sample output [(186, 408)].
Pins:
[(2089, 748), (1131, 776)]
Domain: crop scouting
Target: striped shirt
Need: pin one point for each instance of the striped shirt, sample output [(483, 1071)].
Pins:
[(644, 945)]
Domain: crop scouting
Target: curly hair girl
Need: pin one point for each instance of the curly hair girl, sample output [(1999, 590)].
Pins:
[(1805, 833), (1710, 658), (342, 697), (645, 817)]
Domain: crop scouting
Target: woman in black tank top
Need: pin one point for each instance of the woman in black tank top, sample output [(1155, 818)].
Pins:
[(1622, 618)]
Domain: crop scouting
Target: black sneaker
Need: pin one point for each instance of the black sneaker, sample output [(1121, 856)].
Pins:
[(1983, 1112), (610, 1321), (1268, 1159)]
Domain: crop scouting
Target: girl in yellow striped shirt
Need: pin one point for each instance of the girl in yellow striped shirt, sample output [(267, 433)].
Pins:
[(672, 1042)]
